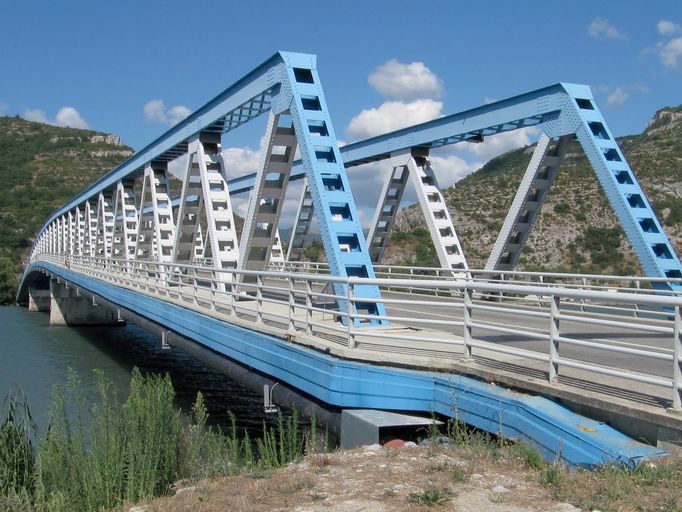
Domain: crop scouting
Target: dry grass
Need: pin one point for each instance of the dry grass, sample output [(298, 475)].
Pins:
[(397, 480)]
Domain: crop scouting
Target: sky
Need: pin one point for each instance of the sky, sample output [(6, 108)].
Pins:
[(136, 68)]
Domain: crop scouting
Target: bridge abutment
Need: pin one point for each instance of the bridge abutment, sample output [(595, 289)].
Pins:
[(68, 307)]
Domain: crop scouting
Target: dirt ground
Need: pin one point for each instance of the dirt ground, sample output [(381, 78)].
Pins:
[(374, 479)]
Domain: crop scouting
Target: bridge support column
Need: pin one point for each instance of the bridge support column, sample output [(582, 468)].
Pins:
[(38, 300), (69, 308)]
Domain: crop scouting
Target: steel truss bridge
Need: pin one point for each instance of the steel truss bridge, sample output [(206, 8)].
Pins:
[(352, 333)]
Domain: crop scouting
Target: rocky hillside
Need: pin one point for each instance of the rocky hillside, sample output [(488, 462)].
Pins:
[(577, 230), (41, 167)]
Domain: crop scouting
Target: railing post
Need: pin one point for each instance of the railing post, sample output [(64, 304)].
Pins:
[(232, 300), (554, 308), (349, 318), (308, 308), (468, 302), (677, 362), (259, 298), (292, 304)]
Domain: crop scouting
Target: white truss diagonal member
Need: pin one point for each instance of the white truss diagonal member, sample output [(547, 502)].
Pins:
[(436, 214), (90, 229), (525, 209), (301, 229), (156, 227), (206, 185), (80, 231), (265, 206), (386, 212), (105, 226), (125, 221)]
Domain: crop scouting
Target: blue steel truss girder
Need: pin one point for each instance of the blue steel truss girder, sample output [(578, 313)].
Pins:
[(338, 219), (245, 99), (582, 117)]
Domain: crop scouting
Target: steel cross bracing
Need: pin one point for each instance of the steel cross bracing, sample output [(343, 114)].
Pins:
[(525, 209), (288, 86), (260, 235)]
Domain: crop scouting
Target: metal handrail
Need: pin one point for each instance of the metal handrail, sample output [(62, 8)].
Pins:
[(290, 298)]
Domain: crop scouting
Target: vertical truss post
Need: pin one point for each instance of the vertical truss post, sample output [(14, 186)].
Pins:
[(206, 185), (125, 221), (156, 228), (340, 227), (80, 231), (267, 197), (105, 226), (525, 209), (386, 212), (72, 233), (432, 202), (90, 229), (642, 227), (304, 219), (65, 234)]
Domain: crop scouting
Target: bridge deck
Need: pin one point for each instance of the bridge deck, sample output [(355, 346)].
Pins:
[(273, 331), (426, 332)]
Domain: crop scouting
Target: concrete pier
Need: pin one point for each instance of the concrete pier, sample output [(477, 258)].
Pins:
[(69, 307)]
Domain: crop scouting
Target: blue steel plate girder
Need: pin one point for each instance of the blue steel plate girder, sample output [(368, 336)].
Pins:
[(553, 429)]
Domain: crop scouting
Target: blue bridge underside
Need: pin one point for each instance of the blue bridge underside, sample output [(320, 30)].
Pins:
[(553, 429)]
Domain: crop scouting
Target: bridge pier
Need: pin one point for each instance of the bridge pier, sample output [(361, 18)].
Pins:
[(68, 307), (38, 299)]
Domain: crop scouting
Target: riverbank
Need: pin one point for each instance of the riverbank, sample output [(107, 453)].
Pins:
[(478, 477)]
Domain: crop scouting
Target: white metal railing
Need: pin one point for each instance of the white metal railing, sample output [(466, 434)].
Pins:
[(625, 334)]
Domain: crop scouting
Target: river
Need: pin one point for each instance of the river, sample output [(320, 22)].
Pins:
[(35, 356)]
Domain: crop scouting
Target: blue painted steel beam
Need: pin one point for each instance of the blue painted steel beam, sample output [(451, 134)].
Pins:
[(244, 100), (553, 429), (529, 109)]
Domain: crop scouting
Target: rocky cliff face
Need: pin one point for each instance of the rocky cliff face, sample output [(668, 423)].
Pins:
[(577, 229)]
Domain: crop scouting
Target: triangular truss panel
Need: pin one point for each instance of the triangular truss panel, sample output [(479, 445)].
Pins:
[(525, 209), (205, 195), (156, 226), (90, 238), (105, 226), (415, 164), (125, 221)]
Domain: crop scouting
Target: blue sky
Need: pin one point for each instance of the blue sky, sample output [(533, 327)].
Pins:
[(133, 68)]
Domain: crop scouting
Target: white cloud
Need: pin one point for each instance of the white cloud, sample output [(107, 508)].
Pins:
[(400, 81), (393, 115), (155, 111), (177, 114), (669, 52), (666, 27), (617, 98), (3, 108), (35, 114), (600, 27), (69, 116), (66, 116)]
